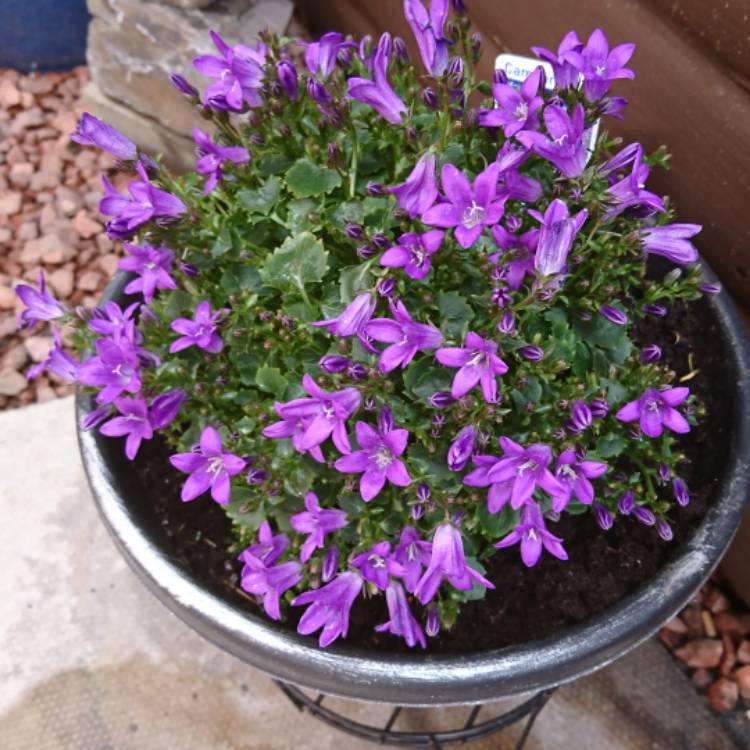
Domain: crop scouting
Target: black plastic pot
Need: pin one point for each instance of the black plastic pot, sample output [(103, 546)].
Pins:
[(423, 679)]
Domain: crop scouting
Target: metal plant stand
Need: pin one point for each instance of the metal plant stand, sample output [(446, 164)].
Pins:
[(387, 735)]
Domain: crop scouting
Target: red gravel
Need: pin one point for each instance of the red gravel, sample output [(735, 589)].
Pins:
[(49, 191)]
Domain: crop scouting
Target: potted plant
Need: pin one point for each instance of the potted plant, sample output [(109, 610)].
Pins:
[(415, 352)]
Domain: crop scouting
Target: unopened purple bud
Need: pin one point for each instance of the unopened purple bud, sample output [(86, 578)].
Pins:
[(441, 400), (438, 420), (455, 72), (585, 316), (429, 97), (416, 511), (385, 420), (476, 45), (664, 472), (401, 50), (94, 418), (499, 77), (257, 476), (344, 57), (189, 269), (644, 515), (507, 323), (318, 92), (365, 48), (331, 363), (532, 353), (257, 139), (461, 448), (365, 251), (626, 504), (386, 286), (603, 517), (287, 74), (459, 7), (665, 531), (710, 288), (385, 45), (380, 241), (513, 223), (375, 189), (357, 371), (581, 416), (435, 434), (182, 85), (681, 494), (164, 408), (332, 153), (369, 403), (423, 492), (650, 353), (330, 563), (501, 296), (599, 408), (658, 311), (613, 315), (432, 624), (353, 231)]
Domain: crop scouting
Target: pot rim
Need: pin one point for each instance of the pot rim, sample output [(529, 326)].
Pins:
[(440, 679)]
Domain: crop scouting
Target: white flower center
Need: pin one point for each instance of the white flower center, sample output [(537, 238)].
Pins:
[(478, 358), (522, 111), (530, 464), (215, 465), (567, 471), (600, 70), (473, 215), (652, 405), (376, 560), (382, 457)]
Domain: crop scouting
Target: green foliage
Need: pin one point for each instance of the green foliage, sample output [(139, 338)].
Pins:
[(306, 179)]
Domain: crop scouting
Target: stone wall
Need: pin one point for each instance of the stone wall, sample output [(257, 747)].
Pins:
[(134, 45)]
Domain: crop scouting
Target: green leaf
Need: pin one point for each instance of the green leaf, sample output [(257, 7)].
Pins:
[(262, 200), (240, 278), (306, 179), (271, 381), (298, 214), (610, 445), (300, 260), (498, 525), (354, 279), (455, 313), (274, 164), (244, 510)]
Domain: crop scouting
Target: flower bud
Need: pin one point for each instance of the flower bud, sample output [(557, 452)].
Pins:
[(603, 517), (476, 49), (455, 73), (461, 448), (644, 515), (459, 7), (665, 531), (353, 231), (710, 288), (189, 269), (318, 92), (658, 311), (385, 420), (416, 511), (429, 97), (532, 353), (581, 416), (501, 296), (432, 624), (599, 408), (375, 189), (182, 85), (681, 494), (164, 408), (369, 403), (650, 353), (401, 50), (423, 492), (365, 48), (626, 504), (507, 323), (380, 241), (664, 472), (386, 286), (513, 223), (365, 252), (441, 399), (357, 371), (95, 417), (613, 315), (257, 476), (331, 363), (330, 563), (344, 57), (332, 153)]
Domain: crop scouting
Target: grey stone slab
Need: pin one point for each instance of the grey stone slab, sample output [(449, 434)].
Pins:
[(90, 660)]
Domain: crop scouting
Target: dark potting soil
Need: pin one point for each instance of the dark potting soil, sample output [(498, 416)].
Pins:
[(528, 604)]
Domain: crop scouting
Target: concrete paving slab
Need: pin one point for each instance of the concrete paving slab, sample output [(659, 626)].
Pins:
[(90, 660)]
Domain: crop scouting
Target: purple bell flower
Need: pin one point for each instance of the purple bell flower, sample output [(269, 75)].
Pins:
[(209, 467), (262, 578), (517, 109), (329, 607), (672, 241), (558, 231), (57, 361), (200, 332), (467, 208), (316, 522), (602, 66), (533, 537), (378, 93), (447, 561), (574, 476), (429, 34), (165, 408), (413, 554), (133, 422), (269, 546), (114, 368), (377, 460), (91, 131), (478, 363), (211, 156), (332, 363), (655, 410), (405, 336), (413, 253), (419, 191), (321, 56), (461, 448), (352, 321), (330, 564), (40, 306), (377, 565), (401, 620), (153, 266), (287, 73), (567, 63)]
